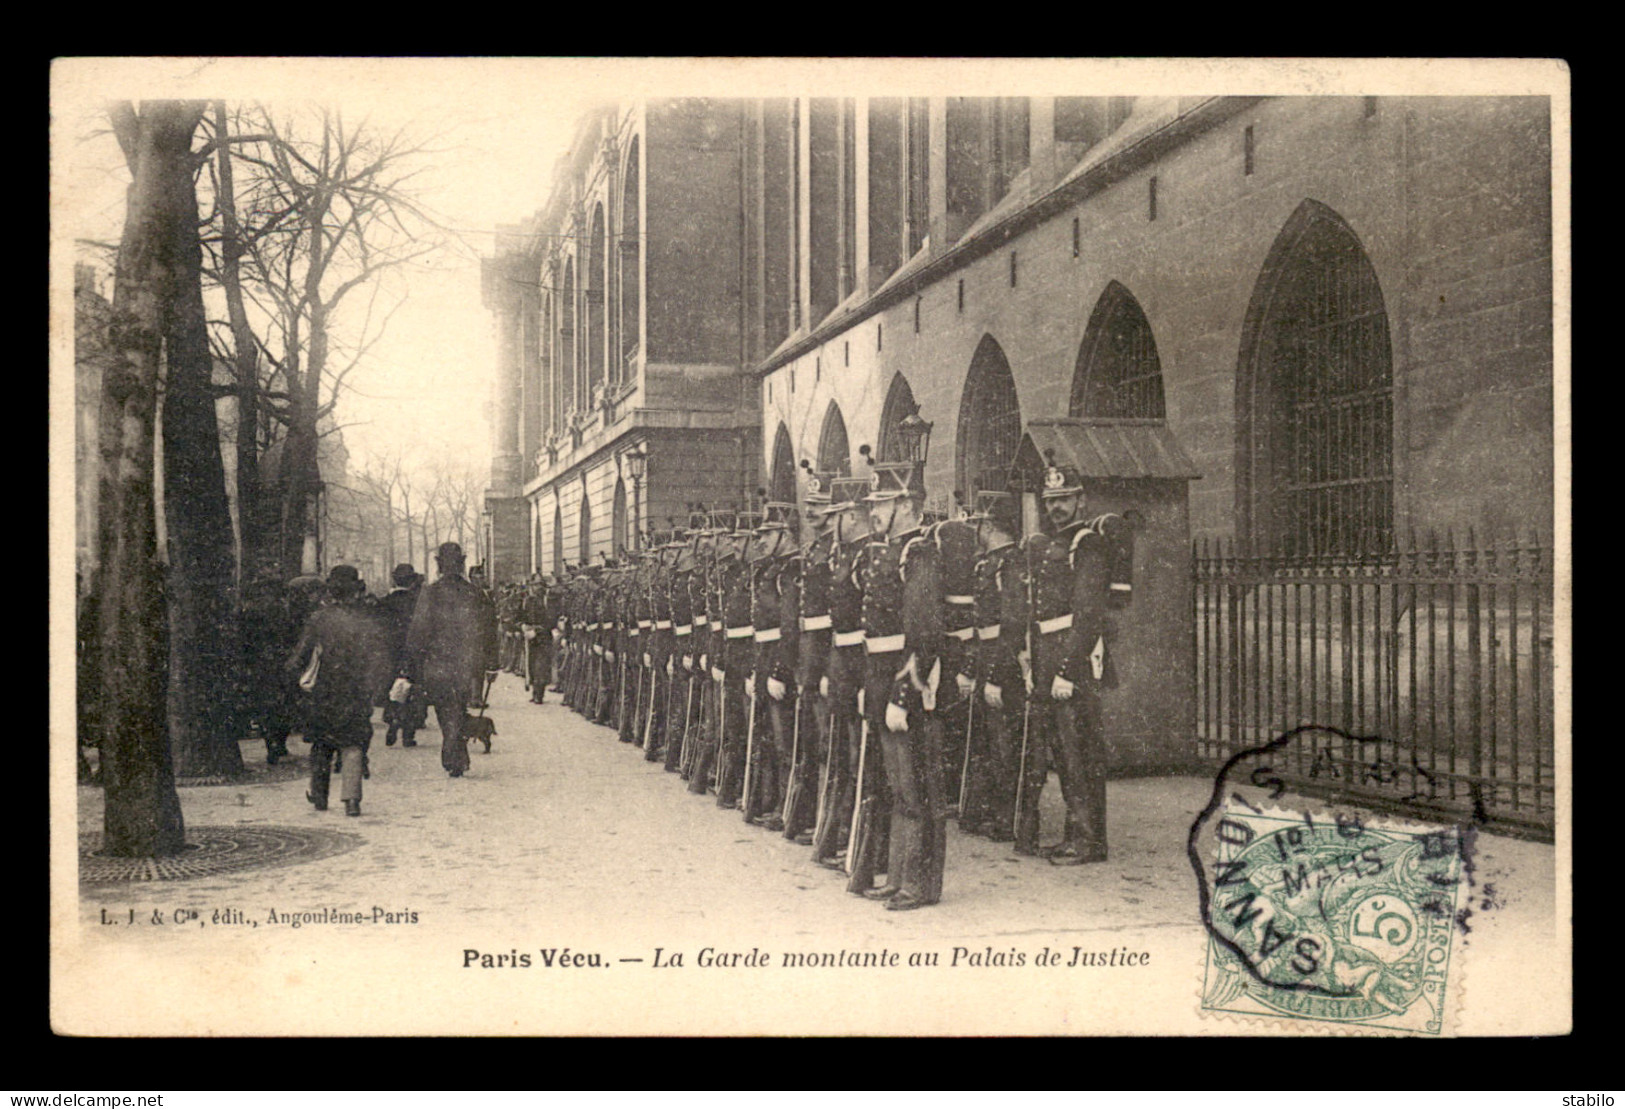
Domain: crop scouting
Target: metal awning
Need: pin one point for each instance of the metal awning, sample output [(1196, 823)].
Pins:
[(1102, 448)]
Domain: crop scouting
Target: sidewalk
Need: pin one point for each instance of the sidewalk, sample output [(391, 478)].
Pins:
[(564, 835)]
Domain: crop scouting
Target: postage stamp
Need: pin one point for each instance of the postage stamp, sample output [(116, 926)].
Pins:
[(1331, 919)]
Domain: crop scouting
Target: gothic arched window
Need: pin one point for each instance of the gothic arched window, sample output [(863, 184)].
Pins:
[(1314, 394), (834, 454), (1118, 373), (899, 403), (989, 417)]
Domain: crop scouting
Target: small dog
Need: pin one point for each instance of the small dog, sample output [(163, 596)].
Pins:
[(481, 728)]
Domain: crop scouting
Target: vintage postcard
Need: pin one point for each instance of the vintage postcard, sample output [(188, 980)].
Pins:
[(810, 546)]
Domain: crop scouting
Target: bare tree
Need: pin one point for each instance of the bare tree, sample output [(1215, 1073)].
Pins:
[(143, 813), (328, 212)]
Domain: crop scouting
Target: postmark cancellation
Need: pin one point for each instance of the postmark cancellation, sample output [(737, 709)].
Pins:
[(1340, 920)]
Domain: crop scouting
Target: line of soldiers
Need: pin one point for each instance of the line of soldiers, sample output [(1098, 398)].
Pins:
[(850, 674)]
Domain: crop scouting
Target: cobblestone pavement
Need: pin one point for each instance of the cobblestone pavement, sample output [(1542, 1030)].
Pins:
[(562, 836)]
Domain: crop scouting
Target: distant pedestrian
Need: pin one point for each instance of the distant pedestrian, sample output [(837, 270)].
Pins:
[(268, 634), (343, 657), (402, 718), (450, 646), (536, 622)]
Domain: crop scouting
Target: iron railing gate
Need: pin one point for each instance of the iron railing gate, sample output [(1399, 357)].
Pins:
[(1430, 669)]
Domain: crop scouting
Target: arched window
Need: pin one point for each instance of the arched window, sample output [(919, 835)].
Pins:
[(834, 455), (1118, 373), (782, 475), (567, 337), (584, 527), (989, 417), (596, 260), (631, 265), (899, 403), (550, 387), (618, 518), (558, 542), (1314, 397)]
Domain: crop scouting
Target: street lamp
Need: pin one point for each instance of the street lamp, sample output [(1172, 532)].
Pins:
[(637, 462), (914, 436)]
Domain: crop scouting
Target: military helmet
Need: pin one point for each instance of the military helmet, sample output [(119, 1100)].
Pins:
[(1061, 479)]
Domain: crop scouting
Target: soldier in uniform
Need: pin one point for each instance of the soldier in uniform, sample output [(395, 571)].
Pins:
[(569, 600), (773, 670), (848, 522), (688, 634), (804, 589), (660, 645), (680, 567), (989, 791), (957, 552), (1071, 662), (697, 735), (738, 659), (903, 636), (709, 637), (632, 636)]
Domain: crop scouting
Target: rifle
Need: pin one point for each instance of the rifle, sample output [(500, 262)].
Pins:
[(686, 763), (527, 662), (862, 809), (721, 701), (750, 746), (649, 718), (823, 816), (792, 788), (629, 721), (671, 690), (970, 730)]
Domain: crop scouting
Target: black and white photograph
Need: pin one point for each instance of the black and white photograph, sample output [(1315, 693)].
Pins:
[(764, 547)]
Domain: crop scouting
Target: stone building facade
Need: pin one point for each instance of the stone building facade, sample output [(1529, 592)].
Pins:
[(1330, 317), (623, 391)]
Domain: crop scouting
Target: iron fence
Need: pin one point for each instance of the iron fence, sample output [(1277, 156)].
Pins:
[(1422, 677)]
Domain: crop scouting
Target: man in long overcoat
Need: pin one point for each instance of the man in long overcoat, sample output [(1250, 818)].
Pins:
[(403, 718), (450, 646), (351, 671)]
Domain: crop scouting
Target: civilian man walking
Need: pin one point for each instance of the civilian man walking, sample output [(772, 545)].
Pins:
[(450, 646)]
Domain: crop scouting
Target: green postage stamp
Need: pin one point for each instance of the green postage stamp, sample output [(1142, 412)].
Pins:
[(1329, 919)]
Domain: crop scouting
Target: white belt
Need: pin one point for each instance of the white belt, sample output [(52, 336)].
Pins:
[(1122, 587), (989, 632), (1055, 624), (767, 635), (744, 631), (960, 633), (883, 644), (959, 599), (591, 627), (597, 648), (684, 629), (662, 625), (644, 624), (815, 623), (632, 631), (701, 622), (849, 639)]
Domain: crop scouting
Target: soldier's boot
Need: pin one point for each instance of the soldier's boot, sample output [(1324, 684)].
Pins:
[(900, 876)]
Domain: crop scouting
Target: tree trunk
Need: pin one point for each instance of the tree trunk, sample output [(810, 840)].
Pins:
[(245, 356), (204, 649), (143, 812)]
